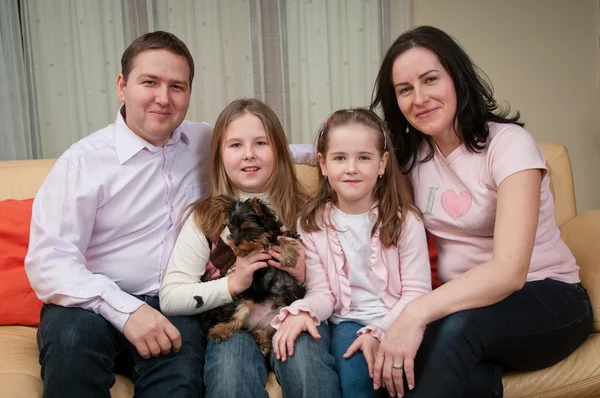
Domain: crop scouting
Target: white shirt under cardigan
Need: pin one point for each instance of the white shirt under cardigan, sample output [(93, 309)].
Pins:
[(354, 231), (187, 265), (106, 218)]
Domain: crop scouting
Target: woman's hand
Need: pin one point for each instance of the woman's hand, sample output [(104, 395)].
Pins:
[(241, 278), (291, 327), (368, 344), (299, 271), (397, 351)]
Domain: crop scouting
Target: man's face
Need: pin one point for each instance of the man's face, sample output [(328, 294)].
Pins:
[(156, 94)]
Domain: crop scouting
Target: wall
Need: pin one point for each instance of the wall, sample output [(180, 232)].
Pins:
[(542, 57)]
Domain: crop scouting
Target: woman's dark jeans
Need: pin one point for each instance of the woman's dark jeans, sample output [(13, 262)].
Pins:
[(464, 354), (80, 350)]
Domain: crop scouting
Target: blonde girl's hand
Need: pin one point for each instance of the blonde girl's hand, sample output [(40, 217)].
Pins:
[(396, 353), (241, 278), (368, 344), (299, 271), (289, 330)]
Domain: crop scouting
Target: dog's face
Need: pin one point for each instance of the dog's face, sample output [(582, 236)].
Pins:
[(252, 225)]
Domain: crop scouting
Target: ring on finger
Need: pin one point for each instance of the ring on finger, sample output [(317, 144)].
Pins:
[(397, 367)]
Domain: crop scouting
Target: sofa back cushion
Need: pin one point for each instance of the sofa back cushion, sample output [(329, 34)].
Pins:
[(18, 303), (21, 179)]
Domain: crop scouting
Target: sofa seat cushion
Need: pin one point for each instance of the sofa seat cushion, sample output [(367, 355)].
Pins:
[(20, 368), (576, 376)]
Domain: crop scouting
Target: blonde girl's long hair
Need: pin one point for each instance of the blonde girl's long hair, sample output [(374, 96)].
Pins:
[(393, 191), (283, 188)]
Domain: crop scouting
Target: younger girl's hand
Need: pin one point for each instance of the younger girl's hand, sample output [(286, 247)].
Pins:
[(292, 326), (299, 271), (241, 278), (369, 345)]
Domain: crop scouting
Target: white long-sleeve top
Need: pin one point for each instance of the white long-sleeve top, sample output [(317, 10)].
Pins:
[(187, 265)]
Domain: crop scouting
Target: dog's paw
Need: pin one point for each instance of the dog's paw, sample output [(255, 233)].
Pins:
[(265, 350), (220, 332), (263, 340), (289, 254)]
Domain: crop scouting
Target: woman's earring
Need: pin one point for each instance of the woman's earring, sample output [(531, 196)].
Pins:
[(407, 131), (380, 175)]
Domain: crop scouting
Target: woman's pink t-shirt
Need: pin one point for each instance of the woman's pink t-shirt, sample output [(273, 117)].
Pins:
[(457, 196)]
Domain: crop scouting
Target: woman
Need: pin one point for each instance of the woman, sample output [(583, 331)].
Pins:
[(512, 296)]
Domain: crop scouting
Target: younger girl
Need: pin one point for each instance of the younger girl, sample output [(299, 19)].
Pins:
[(366, 250), (250, 158)]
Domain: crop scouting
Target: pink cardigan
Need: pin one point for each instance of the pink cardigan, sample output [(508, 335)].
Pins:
[(403, 272)]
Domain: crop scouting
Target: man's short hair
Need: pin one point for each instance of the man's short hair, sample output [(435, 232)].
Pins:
[(158, 40)]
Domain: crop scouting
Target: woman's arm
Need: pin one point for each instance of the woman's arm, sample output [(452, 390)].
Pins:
[(517, 215)]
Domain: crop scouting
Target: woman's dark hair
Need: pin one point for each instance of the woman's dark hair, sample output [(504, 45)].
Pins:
[(475, 104)]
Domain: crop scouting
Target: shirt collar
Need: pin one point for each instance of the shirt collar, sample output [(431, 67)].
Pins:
[(128, 144)]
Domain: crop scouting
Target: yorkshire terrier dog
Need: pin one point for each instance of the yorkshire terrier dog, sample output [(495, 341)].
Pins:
[(254, 226)]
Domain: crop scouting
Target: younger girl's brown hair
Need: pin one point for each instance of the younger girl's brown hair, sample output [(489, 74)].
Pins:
[(283, 189), (392, 191)]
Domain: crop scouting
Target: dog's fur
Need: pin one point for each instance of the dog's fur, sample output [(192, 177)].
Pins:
[(254, 226)]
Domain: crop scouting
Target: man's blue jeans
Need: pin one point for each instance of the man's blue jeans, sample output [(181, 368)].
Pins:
[(531, 329), (236, 368), (80, 350)]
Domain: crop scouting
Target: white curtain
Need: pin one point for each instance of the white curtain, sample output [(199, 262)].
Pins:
[(76, 47), (334, 52), (16, 140), (219, 36), (304, 58)]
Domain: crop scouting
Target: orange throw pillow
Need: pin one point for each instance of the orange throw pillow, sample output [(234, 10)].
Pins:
[(18, 303)]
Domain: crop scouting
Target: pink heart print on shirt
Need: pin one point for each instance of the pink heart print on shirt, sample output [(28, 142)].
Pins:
[(456, 205)]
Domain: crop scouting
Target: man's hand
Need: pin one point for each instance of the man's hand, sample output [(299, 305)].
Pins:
[(151, 332), (369, 345), (241, 279), (292, 326)]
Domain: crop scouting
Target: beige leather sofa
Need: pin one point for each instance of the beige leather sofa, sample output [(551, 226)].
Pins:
[(577, 376)]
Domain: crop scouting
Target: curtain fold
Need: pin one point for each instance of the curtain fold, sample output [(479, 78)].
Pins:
[(220, 37), (16, 134), (76, 47), (334, 51)]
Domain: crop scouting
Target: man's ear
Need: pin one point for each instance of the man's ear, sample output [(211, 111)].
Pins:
[(322, 164), (121, 87)]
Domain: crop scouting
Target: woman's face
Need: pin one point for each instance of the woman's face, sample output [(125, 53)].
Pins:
[(425, 92)]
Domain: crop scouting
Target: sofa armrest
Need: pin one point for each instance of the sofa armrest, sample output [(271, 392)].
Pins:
[(582, 234)]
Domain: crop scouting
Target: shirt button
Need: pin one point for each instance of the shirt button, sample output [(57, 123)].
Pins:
[(172, 209), (120, 305), (170, 177), (113, 316), (81, 292), (166, 239)]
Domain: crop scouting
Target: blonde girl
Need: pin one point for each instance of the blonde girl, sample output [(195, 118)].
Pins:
[(249, 158)]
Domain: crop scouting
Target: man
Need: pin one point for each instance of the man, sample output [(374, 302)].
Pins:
[(103, 227)]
